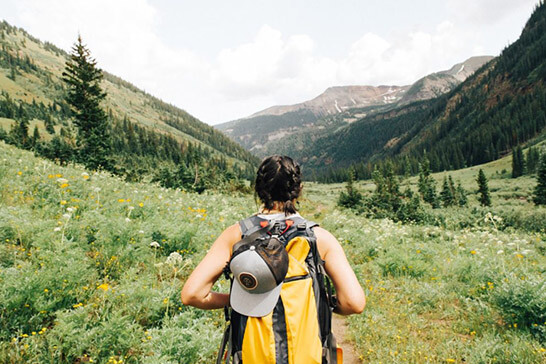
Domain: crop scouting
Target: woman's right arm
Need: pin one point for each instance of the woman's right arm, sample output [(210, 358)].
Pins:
[(197, 289), (350, 296)]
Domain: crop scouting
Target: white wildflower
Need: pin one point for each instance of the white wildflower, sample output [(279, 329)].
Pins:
[(96, 189), (127, 219), (57, 229), (131, 208), (62, 180), (500, 251), (66, 216), (141, 231), (70, 209), (174, 258), (154, 244)]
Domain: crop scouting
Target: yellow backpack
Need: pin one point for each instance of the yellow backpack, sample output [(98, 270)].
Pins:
[(298, 330)]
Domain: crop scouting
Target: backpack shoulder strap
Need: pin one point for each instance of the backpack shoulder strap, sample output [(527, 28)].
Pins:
[(250, 225)]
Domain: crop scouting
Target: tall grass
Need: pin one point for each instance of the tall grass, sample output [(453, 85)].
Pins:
[(91, 269)]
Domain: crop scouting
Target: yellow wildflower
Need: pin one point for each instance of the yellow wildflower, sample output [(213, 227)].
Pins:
[(105, 287)]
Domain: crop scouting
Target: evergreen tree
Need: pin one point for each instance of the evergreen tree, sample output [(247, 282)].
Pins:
[(447, 194), (84, 96), (427, 184), (539, 195), (19, 134), (48, 122), (483, 189), (35, 136), (352, 198), (518, 163), (462, 200), (532, 160)]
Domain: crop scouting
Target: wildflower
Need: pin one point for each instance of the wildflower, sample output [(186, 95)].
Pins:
[(127, 219), (141, 204), (19, 173), (500, 251), (154, 244), (64, 185), (85, 175), (96, 189), (174, 258), (66, 216), (57, 229), (46, 290), (473, 252), (70, 209), (63, 202), (105, 287), (131, 208)]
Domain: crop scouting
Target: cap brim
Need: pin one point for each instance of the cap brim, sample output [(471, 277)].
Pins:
[(253, 304)]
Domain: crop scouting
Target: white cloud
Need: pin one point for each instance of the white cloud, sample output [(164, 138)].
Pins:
[(487, 11), (272, 68)]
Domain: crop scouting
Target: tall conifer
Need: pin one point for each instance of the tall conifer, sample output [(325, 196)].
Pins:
[(518, 162), (483, 188), (539, 195), (85, 96)]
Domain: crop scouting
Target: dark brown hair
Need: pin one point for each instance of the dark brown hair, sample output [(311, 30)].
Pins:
[(278, 180)]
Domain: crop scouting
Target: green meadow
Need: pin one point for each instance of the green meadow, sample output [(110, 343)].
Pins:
[(91, 269)]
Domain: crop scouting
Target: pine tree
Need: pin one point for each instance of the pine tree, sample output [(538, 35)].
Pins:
[(427, 184), (518, 162), (483, 189), (84, 96), (35, 136), (447, 194), (539, 195), (532, 160), (462, 200), (352, 198)]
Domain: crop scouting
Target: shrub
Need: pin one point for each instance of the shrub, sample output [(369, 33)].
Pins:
[(522, 303)]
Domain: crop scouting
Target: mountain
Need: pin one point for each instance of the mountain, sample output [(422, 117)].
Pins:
[(439, 83), (146, 130), (502, 105), (268, 131), (337, 99)]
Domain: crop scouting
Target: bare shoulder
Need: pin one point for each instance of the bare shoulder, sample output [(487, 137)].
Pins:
[(326, 241), (230, 235), (324, 234)]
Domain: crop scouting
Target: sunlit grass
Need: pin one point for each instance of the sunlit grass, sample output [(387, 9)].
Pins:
[(91, 269)]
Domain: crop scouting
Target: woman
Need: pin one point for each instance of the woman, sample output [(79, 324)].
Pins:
[(278, 185)]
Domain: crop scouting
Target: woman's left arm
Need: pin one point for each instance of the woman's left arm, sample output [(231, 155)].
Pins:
[(197, 289)]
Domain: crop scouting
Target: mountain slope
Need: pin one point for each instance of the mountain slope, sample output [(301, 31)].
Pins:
[(502, 105), (30, 78), (274, 129)]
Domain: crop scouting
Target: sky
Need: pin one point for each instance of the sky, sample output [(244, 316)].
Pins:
[(223, 60)]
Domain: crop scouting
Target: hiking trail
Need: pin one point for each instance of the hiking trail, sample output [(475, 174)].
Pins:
[(339, 327)]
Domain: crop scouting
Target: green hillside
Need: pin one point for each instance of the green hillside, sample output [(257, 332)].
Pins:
[(31, 86), (81, 281), (499, 107)]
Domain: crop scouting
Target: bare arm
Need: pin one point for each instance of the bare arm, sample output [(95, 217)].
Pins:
[(197, 289), (351, 298)]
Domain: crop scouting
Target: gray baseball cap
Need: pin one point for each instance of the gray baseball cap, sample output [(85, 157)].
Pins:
[(259, 269)]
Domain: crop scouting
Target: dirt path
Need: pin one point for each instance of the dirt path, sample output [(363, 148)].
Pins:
[(339, 327)]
